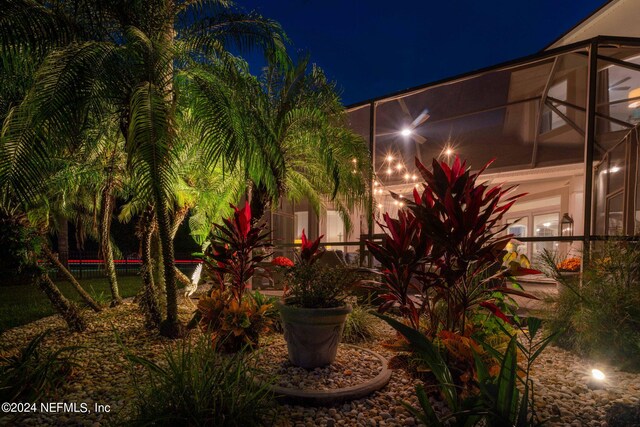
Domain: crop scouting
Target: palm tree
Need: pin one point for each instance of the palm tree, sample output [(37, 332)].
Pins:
[(23, 242), (118, 61), (295, 117)]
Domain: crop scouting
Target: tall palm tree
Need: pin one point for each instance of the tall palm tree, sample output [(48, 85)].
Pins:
[(294, 114), (118, 60)]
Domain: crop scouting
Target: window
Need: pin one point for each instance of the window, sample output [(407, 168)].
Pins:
[(550, 119), (545, 225)]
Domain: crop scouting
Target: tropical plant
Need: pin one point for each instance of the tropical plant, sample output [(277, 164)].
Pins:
[(404, 258), (26, 243), (236, 250), (35, 372), (311, 284), (292, 122), (231, 260), (447, 247), (194, 385), (513, 255), (598, 314), (234, 325), (119, 63), (504, 397)]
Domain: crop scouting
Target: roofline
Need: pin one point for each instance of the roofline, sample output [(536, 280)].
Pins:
[(608, 2), (511, 63)]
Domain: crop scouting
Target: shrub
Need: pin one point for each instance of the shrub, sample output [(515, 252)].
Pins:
[(35, 372), (196, 386), (310, 284), (234, 324), (231, 260), (361, 326), (504, 396), (599, 312), (448, 247)]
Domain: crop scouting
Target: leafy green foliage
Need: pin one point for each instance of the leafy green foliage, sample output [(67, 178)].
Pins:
[(194, 385), (17, 244), (289, 130), (598, 313), (35, 372), (235, 325), (318, 285), (361, 326), (504, 399)]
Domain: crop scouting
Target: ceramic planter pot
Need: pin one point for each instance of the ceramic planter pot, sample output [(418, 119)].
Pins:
[(312, 334)]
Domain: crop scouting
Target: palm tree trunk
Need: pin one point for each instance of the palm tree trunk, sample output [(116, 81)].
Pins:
[(105, 242), (149, 301), (178, 219), (67, 310), (259, 202), (171, 326), (157, 266), (67, 275)]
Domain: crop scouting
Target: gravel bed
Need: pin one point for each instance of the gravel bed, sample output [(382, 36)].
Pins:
[(104, 377), (352, 366)]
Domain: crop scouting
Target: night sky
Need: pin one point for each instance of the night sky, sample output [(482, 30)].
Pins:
[(372, 48)]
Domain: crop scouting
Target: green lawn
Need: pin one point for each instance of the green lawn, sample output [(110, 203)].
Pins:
[(22, 304)]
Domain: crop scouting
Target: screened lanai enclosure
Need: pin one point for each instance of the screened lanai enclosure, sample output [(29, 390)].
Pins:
[(560, 124)]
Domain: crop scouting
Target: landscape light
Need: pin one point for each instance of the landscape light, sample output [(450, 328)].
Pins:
[(597, 374), (406, 132)]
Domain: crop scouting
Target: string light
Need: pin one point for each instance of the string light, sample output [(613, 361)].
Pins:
[(389, 158), (406, 176), (389, 171), (399, 166)]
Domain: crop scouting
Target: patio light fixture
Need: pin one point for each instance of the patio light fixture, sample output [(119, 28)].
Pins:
[(566, 225), (597, 374)]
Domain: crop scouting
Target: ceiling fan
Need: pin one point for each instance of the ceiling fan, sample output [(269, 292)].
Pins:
[(616, 85), (408, 131)]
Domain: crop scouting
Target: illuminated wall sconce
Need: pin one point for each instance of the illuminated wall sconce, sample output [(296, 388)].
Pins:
[(566, 226)]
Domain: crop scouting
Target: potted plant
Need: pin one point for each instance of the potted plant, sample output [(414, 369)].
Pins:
[(313, 310)]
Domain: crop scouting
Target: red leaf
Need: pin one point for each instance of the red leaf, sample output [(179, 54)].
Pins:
[(495, 310)]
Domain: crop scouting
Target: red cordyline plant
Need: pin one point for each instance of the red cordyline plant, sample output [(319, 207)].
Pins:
[(310, 251), (455, 251), (236, 251), (403, 256)]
